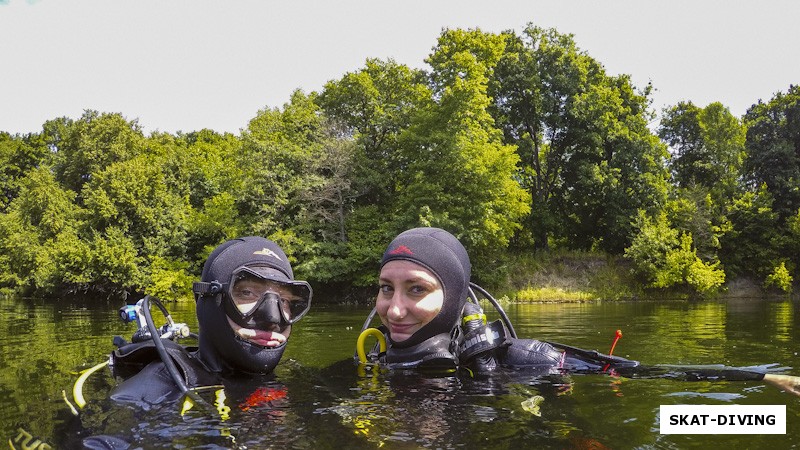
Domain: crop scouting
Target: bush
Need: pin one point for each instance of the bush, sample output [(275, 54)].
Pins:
[(779, 279), (665, 259)]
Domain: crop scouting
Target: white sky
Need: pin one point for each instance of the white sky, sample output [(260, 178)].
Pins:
[(184, 65)]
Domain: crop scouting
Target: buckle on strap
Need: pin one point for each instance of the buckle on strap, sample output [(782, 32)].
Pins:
[(203, 288)]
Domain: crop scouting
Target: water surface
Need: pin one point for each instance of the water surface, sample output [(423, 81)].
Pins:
[(318, 399)]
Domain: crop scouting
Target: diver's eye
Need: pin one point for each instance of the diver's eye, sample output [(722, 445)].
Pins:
[(418, 290), (385, 289), (246, 294)]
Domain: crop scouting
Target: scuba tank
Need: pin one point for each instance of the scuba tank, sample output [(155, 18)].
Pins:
[(148, 338), (477, 347)]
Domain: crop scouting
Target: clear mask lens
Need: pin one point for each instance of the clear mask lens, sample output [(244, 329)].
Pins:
[(253, 295)]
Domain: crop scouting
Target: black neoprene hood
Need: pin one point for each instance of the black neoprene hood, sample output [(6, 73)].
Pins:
[(248, 251), (441, 253)]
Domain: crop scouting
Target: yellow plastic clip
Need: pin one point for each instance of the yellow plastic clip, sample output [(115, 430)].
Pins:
[(362, 355)]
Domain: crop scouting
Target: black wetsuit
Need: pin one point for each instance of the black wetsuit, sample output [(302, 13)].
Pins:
[(147, 380)]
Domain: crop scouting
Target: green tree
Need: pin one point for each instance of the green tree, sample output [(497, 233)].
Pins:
[(203, 170), (588, 158), (40, 225), (708, 146), (128, 228), (324, 220), (616, 169), (459, 175), (375, 105), (133, 197), (18, 156), (92, 143), (779, 279), (751, 247), (371, 109), (773, 149), (278, 147), (117, 265), (693, 211), (135, 219), (296, 168)]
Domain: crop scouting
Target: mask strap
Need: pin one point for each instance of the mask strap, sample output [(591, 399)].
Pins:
[(203, 288)]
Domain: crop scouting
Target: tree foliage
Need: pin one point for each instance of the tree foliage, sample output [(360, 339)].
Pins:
[(588, 158), (751, 247), (665, 258), (708, 145), (18, 156), (372, 107), (456, 137), (514, 142), (773, 145)]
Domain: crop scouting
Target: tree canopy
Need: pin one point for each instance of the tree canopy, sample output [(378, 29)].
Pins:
[(514, 142)]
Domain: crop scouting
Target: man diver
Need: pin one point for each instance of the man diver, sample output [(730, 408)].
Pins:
[(246, 302), (427, 323)]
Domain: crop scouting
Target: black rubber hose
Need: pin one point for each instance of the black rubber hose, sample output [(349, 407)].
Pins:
[(369, 319), (497, 306), (162, 351)]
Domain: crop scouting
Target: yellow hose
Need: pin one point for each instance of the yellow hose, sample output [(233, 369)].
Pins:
[(362, 355), (77, 389)]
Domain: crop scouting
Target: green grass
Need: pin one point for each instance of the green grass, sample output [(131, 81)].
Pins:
[(548, 293), (568, 276)]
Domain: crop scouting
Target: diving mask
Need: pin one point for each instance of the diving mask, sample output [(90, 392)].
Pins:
[(261, 297)]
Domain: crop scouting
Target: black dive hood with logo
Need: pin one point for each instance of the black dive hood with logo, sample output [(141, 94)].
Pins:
[(220, 348), (442, 254)]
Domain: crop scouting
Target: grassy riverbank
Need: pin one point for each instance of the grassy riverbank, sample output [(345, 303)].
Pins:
[(568, 276), (563, 276)]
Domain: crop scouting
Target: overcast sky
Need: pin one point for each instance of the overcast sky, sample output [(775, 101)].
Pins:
[(184, 65)]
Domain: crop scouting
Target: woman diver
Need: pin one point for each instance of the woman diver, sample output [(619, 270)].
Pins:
[(428, 323)]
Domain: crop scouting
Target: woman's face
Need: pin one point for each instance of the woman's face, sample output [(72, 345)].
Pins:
[(410, 296)]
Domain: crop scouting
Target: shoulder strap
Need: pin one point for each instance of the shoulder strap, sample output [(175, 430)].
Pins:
[(129, 359)]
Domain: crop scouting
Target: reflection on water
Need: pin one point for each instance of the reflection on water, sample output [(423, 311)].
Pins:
[(318, 400)]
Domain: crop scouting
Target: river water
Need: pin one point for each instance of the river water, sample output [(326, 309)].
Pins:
[(319, 399)]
